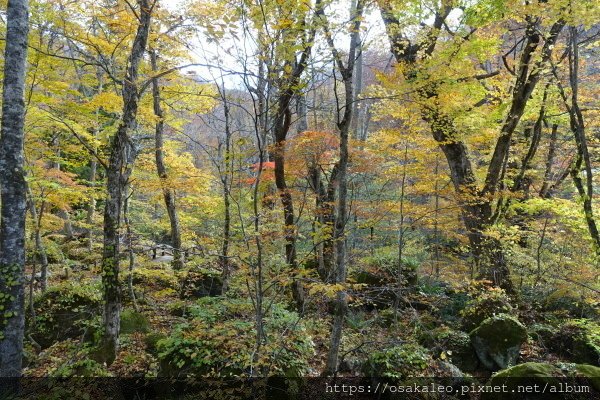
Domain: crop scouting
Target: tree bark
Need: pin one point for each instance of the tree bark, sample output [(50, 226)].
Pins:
[(13, 191), (122, 155), (585, 186), (228, 168), (39, 245), (345, 115), (282, 123), (168, 193)]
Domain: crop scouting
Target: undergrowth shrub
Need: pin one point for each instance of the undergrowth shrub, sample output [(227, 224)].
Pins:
[(228, 346)]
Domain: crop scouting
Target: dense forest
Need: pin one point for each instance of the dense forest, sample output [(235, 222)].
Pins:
[(385, 190)]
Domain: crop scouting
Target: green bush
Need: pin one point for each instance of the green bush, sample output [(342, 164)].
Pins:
[(226, 349), (82, 368), (579, 340), (64, 311), (151, 341), (156, 278), (53, 252), (398, 362), (133, 321)]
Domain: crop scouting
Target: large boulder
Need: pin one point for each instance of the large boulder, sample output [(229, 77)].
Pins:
[(133, 321), (515, 378), (456, 345), (489, 302), (498, 340), (462, 354), (589, 372), (200, 283), (65, 311), (579, 341)]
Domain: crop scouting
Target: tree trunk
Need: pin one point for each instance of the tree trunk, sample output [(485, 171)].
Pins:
[(547, 186), (228, 168), (168, 193), (344, 121), (91, 209), (122, 156), (39, 245), (475, 203), (13, 191), (129, 240)]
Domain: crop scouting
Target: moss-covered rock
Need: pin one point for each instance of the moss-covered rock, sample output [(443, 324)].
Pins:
[(156, 278), (567, 304), (63, 312), (541, 333), (514, 378), (579, 341), (200, 283), (455, 344), (461, 352), (498, 340), (490, 302), (151, 341), (589, 372)]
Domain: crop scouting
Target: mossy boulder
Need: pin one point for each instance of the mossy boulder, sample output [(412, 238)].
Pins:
[(63, 312), (547, 376), (461, 352), (455, 344), (490, 302), (514, 378), (542, 333), (200, 283), (498, 340), (156, 278), (579, 341), (133, 321), (589, 372), (562, 303)]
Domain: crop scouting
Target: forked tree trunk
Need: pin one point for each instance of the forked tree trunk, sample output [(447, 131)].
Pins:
[(475, 202), (13, 191), (122, 156), (344, 121)]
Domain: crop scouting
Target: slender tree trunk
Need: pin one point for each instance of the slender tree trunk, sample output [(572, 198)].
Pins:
[(91, 210), (344, 121), (545, 191), (39, 245), (228, 168), (130, 252), (401, 233), (13, 191), (168, 193), (436, 231), (122, 155)]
